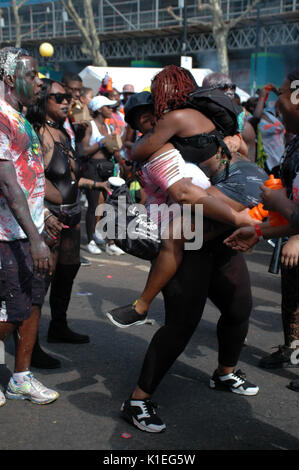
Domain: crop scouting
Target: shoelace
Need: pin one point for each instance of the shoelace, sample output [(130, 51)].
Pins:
[(148, 408), (239, 375), (36, 384)]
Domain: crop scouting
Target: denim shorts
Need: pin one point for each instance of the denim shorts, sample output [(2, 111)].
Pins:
[(20, 287)]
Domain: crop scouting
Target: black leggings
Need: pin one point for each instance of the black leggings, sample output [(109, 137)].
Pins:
[(216, 272), (92, 196)]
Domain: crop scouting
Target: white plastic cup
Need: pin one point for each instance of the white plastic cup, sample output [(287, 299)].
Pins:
[(115, 182)]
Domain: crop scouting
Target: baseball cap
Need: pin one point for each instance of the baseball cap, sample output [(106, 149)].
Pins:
[(135, 101), (128, 89), (99, 101)]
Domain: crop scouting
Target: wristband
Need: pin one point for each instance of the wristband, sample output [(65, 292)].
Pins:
[(258, 232), (99, 142), (48, 217), (239, 135), (94, 185)]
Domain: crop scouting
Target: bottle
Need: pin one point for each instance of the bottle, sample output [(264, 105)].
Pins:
[(275, 219), (258, 212)]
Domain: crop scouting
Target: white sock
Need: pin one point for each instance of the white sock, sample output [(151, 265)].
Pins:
[(19, 376)]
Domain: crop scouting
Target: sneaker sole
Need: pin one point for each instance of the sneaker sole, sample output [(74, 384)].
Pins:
[(120, 325), (12, 396), (139, 426), (223, 388)]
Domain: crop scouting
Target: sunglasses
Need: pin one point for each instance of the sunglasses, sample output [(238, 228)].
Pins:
[(60, 97), (227, 86)]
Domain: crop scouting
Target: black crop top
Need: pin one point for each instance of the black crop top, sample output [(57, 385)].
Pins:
[(199, 148), (60, 175)]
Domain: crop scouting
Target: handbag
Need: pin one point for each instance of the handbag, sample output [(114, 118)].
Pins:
[(135, 232), (105, 169)]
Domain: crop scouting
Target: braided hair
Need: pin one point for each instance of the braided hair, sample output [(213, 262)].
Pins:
[(170, 89), (9, 57)]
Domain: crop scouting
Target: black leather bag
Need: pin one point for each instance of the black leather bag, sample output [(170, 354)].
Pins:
[(105, 169), (135, 233)]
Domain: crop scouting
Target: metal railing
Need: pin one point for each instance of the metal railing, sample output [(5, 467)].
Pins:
[(49, 21)]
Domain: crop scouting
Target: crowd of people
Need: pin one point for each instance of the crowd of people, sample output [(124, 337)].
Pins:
[(60, 140)]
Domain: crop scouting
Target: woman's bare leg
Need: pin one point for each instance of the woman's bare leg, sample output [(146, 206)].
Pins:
[(163, 268)]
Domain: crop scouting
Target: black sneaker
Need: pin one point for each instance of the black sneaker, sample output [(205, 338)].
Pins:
[(126, 316), (294, 385), (142, 414), (280, 359), (234, 382), (84, 261)]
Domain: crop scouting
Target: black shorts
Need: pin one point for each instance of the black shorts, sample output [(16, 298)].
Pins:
[(243, 182), (20, 287)]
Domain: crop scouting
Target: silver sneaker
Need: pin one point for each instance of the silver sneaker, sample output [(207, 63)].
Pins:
[(31, 389), (2, 399)]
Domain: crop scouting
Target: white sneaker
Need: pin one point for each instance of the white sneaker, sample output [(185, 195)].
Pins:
[(114, 250), (2, 399), (31, 389), (99, 239), (93, 248)]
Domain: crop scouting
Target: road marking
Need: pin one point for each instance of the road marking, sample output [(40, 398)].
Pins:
[(143, 267)]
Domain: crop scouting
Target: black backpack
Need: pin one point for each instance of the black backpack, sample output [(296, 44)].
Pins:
[(219, 108)]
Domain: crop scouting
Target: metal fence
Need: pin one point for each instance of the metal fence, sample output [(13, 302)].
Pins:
[(49, 21)]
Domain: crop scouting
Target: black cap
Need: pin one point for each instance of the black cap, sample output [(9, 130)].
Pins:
[(135, 101)]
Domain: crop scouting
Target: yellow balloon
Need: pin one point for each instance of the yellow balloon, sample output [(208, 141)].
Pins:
[(46, 49)]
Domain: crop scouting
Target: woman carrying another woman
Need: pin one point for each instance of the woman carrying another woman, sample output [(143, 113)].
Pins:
[(236, 182)]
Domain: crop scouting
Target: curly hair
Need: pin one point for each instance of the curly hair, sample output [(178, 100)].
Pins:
[(170, 89), (9, 57)]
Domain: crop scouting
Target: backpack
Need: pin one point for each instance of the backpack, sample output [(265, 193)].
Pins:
[(218, 107)]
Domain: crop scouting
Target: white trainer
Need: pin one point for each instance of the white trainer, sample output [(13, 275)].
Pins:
[(93, 248), (114, 250), (31, 389), (2, 399)]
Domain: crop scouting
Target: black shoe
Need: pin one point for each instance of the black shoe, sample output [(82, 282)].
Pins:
[(84, 261), (61, 333), (234, 382), (126, 316), (142, 414), (280, 359), (41, 360), (294, 385)]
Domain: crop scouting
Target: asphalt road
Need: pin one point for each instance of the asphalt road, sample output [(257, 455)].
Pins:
[(95, 378)]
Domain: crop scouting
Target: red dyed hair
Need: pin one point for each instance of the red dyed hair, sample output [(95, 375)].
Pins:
[(170, 89)]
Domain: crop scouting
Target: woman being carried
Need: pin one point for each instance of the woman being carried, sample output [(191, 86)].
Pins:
[(162, 173)]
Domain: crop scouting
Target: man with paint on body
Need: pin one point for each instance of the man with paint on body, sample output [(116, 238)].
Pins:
[(24, 256)]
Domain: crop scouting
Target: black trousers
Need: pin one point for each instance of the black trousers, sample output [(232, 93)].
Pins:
[(216, 272)]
